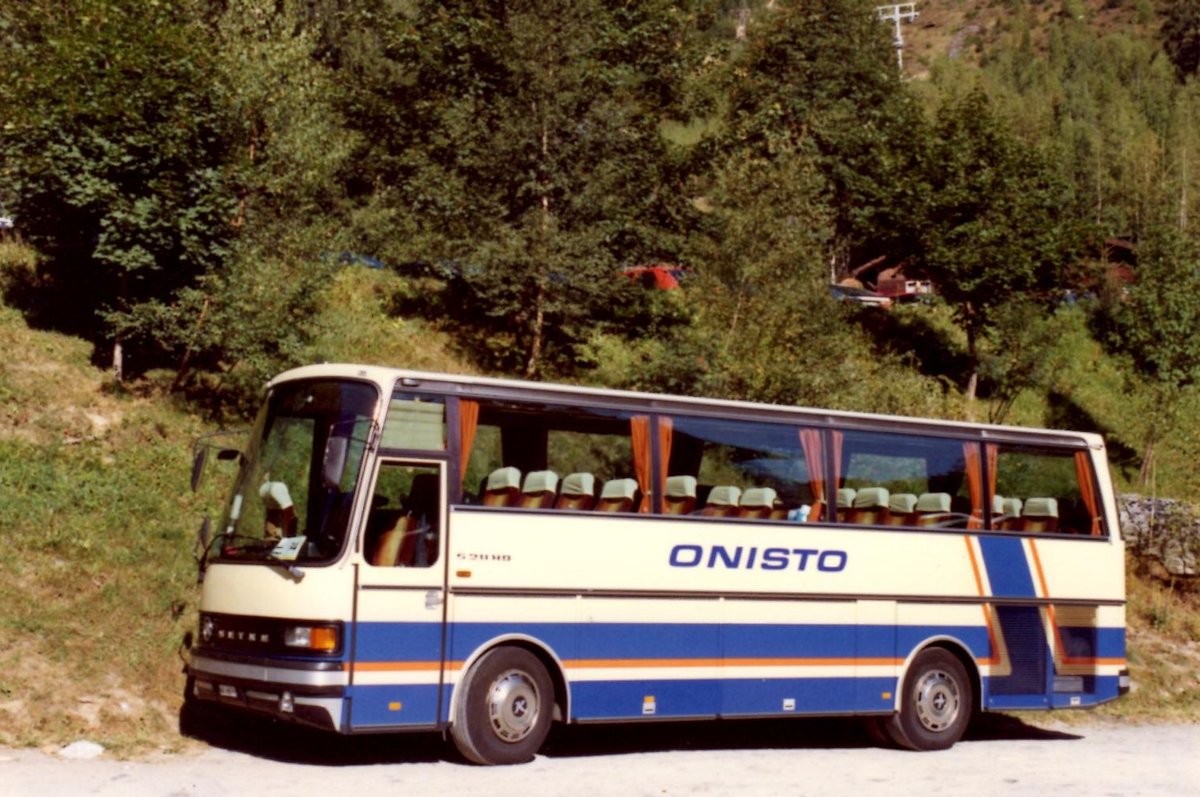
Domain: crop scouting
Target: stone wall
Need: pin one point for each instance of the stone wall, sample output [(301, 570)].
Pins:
[(1163, 529)]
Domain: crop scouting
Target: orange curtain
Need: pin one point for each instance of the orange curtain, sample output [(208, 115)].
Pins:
[(665, 429), (992, 452), (810, 441), (838, 437), (1087, 489), (468, 422), (974, 484), (639, 434)]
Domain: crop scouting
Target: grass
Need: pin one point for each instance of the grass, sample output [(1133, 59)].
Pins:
[(1163, 648), (99, 587), (96, 586)]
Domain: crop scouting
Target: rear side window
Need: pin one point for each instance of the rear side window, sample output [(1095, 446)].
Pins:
[(1044, 490)]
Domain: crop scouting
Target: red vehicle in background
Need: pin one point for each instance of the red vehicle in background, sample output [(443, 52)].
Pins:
[(657, 276)]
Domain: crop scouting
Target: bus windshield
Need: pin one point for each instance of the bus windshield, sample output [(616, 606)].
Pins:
[(293, 494)]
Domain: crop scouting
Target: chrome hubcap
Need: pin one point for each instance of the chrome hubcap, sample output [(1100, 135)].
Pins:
[(513, 706), (938, 701)]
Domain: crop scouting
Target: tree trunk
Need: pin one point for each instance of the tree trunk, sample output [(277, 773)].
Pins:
[(118, 361), (1147, 470), (973, 379), (539, 325), (539, 313)]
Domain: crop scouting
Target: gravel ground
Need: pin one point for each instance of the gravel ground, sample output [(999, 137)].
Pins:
[(1002, 756)]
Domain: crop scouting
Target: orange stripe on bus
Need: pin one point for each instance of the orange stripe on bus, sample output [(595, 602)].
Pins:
[(583, 664), (987, 610), (396, 666)]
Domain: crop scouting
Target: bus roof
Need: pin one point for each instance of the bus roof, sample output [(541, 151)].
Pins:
[(514, 389)]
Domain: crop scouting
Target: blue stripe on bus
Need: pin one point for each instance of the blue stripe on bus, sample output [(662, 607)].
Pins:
[(394, 705), (412, 642), (397, 641), (613, 700), (1007, 567)]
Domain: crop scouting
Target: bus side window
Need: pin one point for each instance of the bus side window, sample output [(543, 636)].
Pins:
[(736, 469), (1044, 490), (891, 479), (404, 525)]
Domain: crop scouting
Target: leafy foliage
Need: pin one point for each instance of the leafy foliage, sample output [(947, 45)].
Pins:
[(992, 229), (825, 72), (1181, 36), (524, 140), (113, 145)]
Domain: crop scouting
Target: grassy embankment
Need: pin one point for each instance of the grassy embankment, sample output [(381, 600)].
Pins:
[(97, 587)]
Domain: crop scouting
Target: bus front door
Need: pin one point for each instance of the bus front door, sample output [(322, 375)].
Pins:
[(397, 674)]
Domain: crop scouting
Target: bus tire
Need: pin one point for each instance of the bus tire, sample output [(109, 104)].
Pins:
[(876, 730), (504, 708), (935, 706)]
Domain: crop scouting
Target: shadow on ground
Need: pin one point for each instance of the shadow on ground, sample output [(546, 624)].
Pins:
[(292, 744)]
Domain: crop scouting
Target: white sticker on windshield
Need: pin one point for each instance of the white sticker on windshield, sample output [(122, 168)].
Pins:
[(288, 548)]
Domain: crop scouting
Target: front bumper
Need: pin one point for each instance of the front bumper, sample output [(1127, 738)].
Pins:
[(307, 693)]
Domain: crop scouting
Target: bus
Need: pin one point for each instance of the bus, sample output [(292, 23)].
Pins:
[(407, 551)]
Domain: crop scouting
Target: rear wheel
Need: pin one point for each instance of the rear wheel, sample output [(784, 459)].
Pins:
[(503, 711), (936, 704)]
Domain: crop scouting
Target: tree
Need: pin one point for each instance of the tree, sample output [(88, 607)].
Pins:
[(520, 142), (1154, 325), (825, 71), (992, 229), (1181, 36), (288, 152), (113, 146)]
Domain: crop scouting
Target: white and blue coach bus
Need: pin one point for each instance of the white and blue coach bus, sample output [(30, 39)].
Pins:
[(416, 551)]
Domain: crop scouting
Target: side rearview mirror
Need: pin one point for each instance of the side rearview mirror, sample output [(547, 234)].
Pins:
[(200, 549), (198, 466)]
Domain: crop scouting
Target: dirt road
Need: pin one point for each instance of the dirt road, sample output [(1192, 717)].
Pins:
[(812, 757)]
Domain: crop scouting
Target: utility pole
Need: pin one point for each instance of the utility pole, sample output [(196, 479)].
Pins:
[(897, 13)]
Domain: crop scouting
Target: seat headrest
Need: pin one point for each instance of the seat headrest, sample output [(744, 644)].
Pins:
[(997, 505), (845, 496), (902, 503), (504, 479), (579, 484), (681, 487), (541, 481), (759, 497), (1012, 506), (933, 502), (724, 495), (275, 495), (1041, 507), (871, 498), (617, 489)]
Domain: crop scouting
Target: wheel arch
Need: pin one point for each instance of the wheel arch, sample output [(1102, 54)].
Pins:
[(956, 647), (549, 659)]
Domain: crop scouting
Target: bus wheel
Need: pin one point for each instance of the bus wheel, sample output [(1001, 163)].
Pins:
[(504, 707), (935, 706)]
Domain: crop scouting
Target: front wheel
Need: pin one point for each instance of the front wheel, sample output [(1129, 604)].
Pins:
[(503, 710), (936, 704)]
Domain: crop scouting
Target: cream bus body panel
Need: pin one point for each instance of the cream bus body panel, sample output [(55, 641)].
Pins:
[(264, 590), (631, 553)]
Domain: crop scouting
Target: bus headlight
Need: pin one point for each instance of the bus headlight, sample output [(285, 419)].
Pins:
[(322, 638)]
